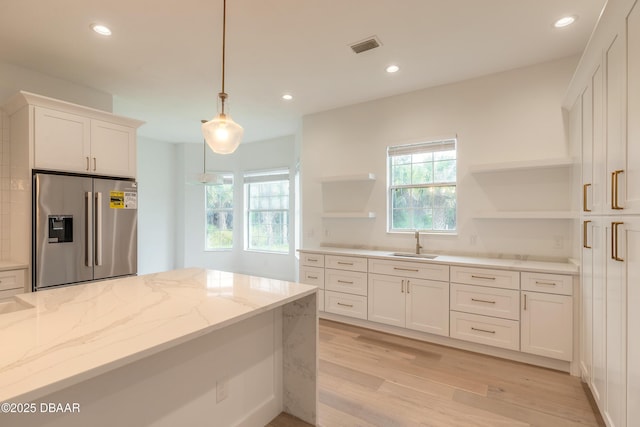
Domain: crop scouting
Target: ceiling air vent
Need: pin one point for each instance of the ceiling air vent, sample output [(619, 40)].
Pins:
[(365, 45)]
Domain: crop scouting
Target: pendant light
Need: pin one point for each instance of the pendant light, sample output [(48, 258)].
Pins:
[(221, 133)]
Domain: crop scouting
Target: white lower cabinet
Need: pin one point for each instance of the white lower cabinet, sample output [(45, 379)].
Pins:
[(11, 283), (417, 304), (346, 304), (546, 325), (311, 274), (485, 330)]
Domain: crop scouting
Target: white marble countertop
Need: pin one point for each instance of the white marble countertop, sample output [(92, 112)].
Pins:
[(12, 265), (78, 332), (503, 263)]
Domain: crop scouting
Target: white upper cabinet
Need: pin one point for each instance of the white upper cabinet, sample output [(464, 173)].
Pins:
[(113, 149), (66, 137), (62, 141), (631, 177)]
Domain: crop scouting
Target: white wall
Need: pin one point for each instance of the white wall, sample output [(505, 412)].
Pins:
[(510, 116), (157, 207), (14, 79), (270, 154)]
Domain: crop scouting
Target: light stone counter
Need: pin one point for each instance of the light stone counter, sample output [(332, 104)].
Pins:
[(140, 338), (503, 263)]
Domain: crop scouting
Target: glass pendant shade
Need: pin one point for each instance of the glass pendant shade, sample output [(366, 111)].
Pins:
[(222, 134)]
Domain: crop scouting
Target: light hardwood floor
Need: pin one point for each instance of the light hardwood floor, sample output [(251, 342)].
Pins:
[(369, 378)]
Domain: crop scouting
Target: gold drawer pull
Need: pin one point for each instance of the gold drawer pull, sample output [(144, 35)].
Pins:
[(614, 241), (545, 283), (312, 259), (345, 305), (585, 235), (483, 330), (614, 190), (584, 198), (312, 277), (345, 281), (482, 277), (345, 263), (483, 300), (415, 270)]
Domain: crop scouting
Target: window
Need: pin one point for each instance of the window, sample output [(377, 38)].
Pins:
[(219, 214), (422, 186), (267, 202)]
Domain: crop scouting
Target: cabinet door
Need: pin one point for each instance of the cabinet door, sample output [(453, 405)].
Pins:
[(615, 120), (113, 149), (580, 136), (598, 188), (632, 170), (427, 303), (586, 301), (547, 325), (61, 141), (630, 242), (387, 299), (598, 336), (615, 329)]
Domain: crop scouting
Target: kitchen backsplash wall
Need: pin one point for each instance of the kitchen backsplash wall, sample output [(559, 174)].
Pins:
[(5, 185), (512, 116)]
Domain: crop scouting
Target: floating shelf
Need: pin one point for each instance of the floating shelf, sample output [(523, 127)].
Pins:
[(347, 215), (563, 162), (349, 178), (527, 215)]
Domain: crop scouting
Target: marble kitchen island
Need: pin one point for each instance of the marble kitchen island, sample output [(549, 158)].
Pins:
[(188, 347)]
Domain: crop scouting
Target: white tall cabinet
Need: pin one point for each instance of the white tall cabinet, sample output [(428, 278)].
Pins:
[(605, 96)]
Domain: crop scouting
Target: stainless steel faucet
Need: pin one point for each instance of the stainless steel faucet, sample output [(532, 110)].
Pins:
[(418, 247)]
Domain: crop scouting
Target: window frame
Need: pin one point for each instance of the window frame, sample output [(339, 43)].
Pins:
[(434, 145), (261, 177), (223, 178)]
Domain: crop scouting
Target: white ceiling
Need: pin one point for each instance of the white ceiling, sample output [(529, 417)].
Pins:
[(162, 63)]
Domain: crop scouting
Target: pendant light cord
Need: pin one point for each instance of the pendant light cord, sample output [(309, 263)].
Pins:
[(222, 94)]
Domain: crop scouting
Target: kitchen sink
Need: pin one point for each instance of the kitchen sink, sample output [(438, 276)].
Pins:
[(14, 304), (412, 255)]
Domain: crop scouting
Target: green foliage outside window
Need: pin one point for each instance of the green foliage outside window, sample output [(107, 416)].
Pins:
[(268, 216), (219, 216)]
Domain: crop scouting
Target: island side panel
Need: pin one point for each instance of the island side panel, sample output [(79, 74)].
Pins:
[(300, 358), (178, 386)]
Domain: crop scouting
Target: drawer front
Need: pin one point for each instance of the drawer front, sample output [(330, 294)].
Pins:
[(548, 283), (312, 276), (320, 300), (312, 260), (12, 279), (415, 270), (485, 330), (345, 304), (486, 277), (9, 293), (351, 282), (351, 263), (503, 303)]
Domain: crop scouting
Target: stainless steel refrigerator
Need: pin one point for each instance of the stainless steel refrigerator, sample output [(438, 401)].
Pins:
[(83, 229)]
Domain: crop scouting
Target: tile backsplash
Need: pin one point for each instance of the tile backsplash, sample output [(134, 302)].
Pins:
[(5, 185)]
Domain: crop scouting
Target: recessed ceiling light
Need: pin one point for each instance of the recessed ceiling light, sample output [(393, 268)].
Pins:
[(287, 97), (565, 21), (103, 30), (392, 69)]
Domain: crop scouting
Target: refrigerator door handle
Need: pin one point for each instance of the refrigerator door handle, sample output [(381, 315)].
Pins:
[(98, 226), (87, 221)]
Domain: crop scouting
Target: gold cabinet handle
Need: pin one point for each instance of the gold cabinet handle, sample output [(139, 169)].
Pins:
[(346, 282), (483, 300), (87, 163), (345, 263), (614, 241), (345, 305), (415, 270), (94, 163), (614, 190), (402, 286), (312, 259), (408, 286), (584, 198), (482, 330), (525, 302), (545, 283), (483, 277), (312, 277), (585, 241)]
